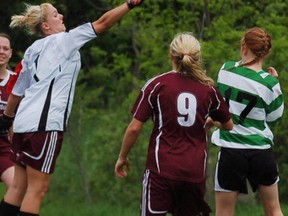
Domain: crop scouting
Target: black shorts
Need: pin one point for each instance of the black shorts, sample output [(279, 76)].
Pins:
[(161, 196), (236, 166)]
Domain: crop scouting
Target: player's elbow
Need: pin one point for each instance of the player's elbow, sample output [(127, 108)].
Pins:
[(134, 130), (101, 26), (228, 125)]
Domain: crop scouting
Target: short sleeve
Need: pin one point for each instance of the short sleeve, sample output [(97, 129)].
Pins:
[(24, 79), (276, 108), (14, 78), (146, 100), (73, 40), (219, 110)]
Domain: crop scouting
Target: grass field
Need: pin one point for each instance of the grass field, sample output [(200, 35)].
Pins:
[(64, 207), (109, 210), (243, 209)]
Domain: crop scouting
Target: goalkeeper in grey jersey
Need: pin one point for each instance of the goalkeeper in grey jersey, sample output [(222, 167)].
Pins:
[(46, 88)]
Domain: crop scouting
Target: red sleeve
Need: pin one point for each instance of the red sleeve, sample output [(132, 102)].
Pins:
[(219, 109), (14, 78)]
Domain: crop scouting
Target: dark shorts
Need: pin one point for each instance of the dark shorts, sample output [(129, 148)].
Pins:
[(38, 150), (161, 196), (236, 166), (5, 154)]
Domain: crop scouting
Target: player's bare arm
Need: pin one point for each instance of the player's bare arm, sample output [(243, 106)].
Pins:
[(108, 19), (224, 126), (129, 139)]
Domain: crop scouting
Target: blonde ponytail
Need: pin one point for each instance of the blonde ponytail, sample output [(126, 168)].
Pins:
[(31, 19), (17, 20), (185, 54)]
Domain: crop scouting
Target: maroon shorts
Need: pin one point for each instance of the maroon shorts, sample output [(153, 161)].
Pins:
[(38, 150), (5, 154), (161, 196)]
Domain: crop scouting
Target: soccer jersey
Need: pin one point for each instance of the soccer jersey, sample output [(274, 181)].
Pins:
[(5, 145), (256, 103), (14, 78), (3, 90), (47, 80), (179, 107)]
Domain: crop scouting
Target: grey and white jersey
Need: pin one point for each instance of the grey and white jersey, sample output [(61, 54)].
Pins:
[(47, 80)]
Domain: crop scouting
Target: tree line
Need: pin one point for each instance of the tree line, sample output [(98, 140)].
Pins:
[(116, 65)]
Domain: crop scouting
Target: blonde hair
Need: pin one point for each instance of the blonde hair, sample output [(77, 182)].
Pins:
[(32, 18), (185, 54)]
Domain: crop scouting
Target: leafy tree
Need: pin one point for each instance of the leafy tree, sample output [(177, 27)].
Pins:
[(117, 64)]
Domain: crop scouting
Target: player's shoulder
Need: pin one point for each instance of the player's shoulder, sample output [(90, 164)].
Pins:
[(159, 78), (229, 64), (268, 80), (165, 75), (12, 73), (212, 89), (36, 46)]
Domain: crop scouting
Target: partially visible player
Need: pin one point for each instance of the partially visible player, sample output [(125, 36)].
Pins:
[(255, 101), (6, 164), (47, 82), (178, 102), (14, 78)]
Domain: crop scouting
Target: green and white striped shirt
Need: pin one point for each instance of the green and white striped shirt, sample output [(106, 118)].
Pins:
[(256, 103)]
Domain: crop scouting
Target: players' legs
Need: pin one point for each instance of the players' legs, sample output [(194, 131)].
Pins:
[(15, 193), (265, 178), (270, 199), (230, 180), (38, 184), (10, 205), (225, 203), (7, 176)]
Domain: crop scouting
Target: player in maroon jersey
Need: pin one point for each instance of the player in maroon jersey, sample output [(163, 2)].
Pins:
[(179, 103), (6, 164), (14, 78)]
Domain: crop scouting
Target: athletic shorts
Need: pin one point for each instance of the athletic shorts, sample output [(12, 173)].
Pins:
[(38, 150), (236, 166), (161, 196), (5, 154)]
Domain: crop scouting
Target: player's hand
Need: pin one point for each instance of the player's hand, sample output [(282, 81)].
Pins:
[(5, 123), (272, 71), (120, 167), (133, 3)]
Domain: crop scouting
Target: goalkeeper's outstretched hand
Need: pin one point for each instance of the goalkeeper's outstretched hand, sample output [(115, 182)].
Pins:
[(5, 123), (134, 3)]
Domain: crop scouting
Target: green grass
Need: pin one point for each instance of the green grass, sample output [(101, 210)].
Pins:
[(71, 209), (64, 207), (105, 209)]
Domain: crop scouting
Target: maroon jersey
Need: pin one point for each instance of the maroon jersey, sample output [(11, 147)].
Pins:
[(3, 90), (5, 145), (179, 107), (14, 78)]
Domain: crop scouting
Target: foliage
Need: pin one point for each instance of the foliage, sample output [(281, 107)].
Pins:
[(116, 65)]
